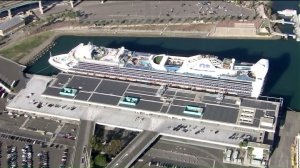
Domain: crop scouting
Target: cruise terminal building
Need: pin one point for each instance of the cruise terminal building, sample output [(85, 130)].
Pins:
[(161, 109)]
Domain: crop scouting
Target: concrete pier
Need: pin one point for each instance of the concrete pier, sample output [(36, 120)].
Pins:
[(295, 21), (282, 21), (72, 4), (9, 13), (41, 7)]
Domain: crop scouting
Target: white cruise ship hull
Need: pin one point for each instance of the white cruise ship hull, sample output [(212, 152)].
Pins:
[(198, 72)]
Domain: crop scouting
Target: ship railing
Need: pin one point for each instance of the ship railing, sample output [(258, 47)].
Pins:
[(145, 77), (125, 70), (164, 75), (178, 74)]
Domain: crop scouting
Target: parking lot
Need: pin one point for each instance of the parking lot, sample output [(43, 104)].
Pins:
[(35, 140), (55, 155), (11, 124), (281, 156), (67, 134), (39, 128), (40, 124), (170, 153), (160, 9)]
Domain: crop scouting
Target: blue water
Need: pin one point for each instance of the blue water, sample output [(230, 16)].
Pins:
[(283, 78)]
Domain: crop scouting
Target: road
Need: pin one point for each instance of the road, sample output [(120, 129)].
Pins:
[(134, 149), (282, 155), (85, 131)]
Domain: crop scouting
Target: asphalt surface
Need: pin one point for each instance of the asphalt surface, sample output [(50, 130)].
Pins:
[(2, 104), (183, 154), (12, 126), (10, 71), (70, 129), (18, 126), (94, 10), (55, 154), (35, 128), (281, 158), (42, 124), (128, 155), (85, 132)]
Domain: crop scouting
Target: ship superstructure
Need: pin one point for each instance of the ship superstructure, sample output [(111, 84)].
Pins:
[(199, 72)]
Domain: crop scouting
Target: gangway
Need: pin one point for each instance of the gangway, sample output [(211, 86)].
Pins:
[(282, 21)]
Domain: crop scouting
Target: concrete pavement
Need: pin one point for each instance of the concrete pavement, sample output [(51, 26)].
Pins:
[(85, 132), (281, 158)]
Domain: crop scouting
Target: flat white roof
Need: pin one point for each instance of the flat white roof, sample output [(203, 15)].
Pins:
[(105, 115), (258, 153)]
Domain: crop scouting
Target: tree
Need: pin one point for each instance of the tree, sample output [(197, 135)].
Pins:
[(100, 160), (243, 144), (93, 141), (113, 148), (96, 143)]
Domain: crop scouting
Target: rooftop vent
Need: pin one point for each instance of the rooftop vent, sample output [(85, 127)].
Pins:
[(128, 100), (193, 110), (68, 91)]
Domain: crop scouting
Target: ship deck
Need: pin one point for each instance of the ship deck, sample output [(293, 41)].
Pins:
[(234, 87)]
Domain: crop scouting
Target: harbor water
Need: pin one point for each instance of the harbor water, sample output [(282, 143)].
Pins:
[(283, 79)]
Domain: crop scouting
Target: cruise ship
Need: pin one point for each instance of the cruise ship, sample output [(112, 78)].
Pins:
[(198, 72)]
